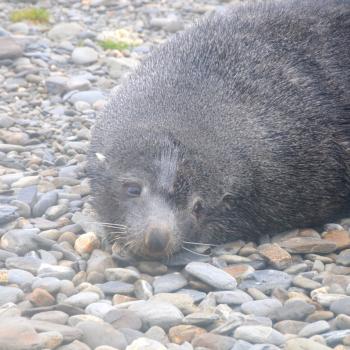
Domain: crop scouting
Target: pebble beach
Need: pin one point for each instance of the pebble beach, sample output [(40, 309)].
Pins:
[(62, 285)]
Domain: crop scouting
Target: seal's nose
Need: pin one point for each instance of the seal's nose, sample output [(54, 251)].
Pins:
[(157, 240)]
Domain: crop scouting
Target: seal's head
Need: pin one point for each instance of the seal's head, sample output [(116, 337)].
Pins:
[(154, 197)]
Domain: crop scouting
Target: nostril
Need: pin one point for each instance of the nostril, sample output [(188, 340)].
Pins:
[(157, 240)]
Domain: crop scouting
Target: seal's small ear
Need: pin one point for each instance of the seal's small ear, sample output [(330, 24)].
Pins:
[(228, 200)]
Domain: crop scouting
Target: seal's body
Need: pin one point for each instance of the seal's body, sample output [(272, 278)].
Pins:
[(235, 128)]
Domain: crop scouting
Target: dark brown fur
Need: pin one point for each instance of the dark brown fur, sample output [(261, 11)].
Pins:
[(235, 128)]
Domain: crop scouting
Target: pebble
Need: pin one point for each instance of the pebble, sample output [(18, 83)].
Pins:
[(290, 326), (234, 297), (169, 283), (304, 344), (123, 319), (9, 48), (18, 334), (10, 295), (50, 284), (82, 299), (96, 334), (293, 309), (116, 287), (8, 213), (56, 84), (51, 316), (50, 340), (64, 31), (211, 275), (75, 345), (20, 277), (45, 201), (259, 334), (41, 297), (180, 334), (261, 307), (145, 344), (276, 256), (90, 97), (343, 258), (213, 342), (143, 289), (171, 24), (200, 318), (69, 333), (314, 328), (86, 243), (302, 245), (84, 55), (342, 321), (182, 301), (306, 283), (60, 272), (121, 274), (341, 306), (336, 337), (27, 263), (156, 313), (266, 280), (340, 237), (152, 268)]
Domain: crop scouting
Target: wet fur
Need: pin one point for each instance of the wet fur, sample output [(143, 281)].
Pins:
[(253, 103)]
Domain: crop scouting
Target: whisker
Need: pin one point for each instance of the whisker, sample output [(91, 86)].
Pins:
[(191, 251), (107, 224), (118, 233), (204, 244)]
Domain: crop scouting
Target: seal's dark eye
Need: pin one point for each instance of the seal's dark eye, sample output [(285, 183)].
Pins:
[(133, 189)]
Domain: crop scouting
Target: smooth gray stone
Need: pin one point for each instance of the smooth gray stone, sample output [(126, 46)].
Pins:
[(261, 307), (96, 334), (17, 333), (169, 283), (334, 338), (10, 295), (314, 328), (156, 313), (69, 333), (27, 263), (51, 284), (90, 96), (211, 275), (116, 287), (266, 280), (341, 306), (47, 200), (295, 309), (8, 213), (20, 277), (28, 195), (9, 48), (232, 297)]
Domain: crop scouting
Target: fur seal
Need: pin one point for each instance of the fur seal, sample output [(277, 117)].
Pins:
[(235, 128)]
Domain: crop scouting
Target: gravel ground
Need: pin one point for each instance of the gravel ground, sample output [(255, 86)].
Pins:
[(61, 287)]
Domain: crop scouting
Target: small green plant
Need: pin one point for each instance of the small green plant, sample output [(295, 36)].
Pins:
[(109, 44), (34, 14)]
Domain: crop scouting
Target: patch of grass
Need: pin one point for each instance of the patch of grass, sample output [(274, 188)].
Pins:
[(109, 44), (33, 14)]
